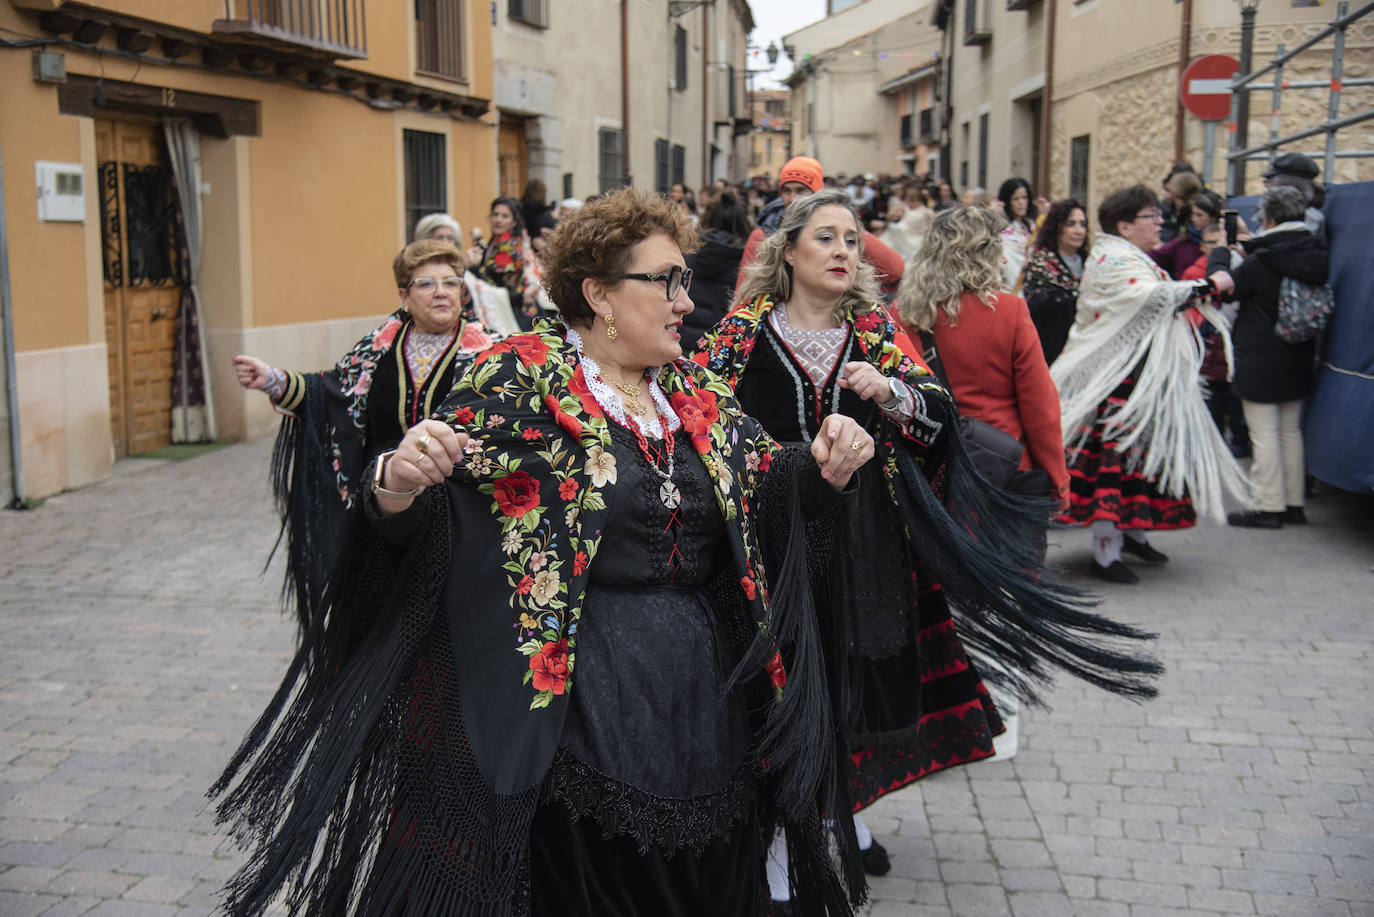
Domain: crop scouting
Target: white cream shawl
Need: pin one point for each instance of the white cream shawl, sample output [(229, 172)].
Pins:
[(1128, 313)]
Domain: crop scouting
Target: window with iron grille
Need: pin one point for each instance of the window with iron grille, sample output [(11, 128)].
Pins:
[(983, 127), (530, 12), (680, 58), (731, 89), (905, 140), (662, 163), (1079, 149), (611, 148), (439, 37), (426, 188), (567, 185), (927, 123), (679, 164)]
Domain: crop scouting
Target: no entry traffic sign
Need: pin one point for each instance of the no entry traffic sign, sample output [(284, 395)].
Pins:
[(1205, 86)]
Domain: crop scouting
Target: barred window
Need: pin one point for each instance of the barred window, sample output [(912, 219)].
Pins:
[(983, 128), (611, 146), (662, 157), (439, 37), (1079, 149), (680, 58), (426, 188), (530, 12), (679, 163)]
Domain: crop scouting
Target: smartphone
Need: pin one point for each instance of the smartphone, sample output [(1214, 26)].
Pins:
[(1229, 219)]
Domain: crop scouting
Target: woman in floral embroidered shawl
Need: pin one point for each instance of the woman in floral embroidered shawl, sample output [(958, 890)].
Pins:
[(808, 337), (507, 260), (581, 674), (402, 370)]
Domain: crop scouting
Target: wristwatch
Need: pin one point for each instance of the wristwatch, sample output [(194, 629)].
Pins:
[(897, 390), (377, 487)]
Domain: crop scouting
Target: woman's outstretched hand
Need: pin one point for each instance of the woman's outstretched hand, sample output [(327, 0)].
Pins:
[(425, 456), (251, 372), (840, 448)]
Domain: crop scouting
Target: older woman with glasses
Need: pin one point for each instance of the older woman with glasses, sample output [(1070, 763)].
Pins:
[(571, 670), (337, 420), (1141, 444)]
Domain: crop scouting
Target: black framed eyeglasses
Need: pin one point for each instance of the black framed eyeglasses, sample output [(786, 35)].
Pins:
[(675, 279)]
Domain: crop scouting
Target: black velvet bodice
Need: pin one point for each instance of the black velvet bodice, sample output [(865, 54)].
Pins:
[(395, 403)]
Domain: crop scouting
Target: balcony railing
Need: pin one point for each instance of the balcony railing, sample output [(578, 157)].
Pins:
[(976, 31), (334, 29)]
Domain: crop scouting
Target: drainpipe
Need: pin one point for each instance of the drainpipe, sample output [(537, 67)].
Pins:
[(1185, 36), (11, 378), (625, 80), (1045, 100), (706, 97)]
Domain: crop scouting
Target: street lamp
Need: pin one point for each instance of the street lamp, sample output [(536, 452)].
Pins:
[(1247, 41)]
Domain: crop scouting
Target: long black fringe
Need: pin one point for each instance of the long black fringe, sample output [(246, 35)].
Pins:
[(317, 759), (982, 545), (307, 499)]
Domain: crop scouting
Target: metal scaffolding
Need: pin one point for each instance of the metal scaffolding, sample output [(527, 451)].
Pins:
[(1243, 84)]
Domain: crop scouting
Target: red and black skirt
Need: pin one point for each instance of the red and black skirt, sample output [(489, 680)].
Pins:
[(1106, 483)]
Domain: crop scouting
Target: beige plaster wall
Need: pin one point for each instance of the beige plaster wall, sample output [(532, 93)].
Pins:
[(64, 417)]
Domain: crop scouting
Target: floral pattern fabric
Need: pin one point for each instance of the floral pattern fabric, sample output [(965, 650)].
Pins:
[(506, 263), (540, 450)]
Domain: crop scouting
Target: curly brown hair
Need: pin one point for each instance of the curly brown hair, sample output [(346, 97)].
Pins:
[(598, 242), (422, 251)]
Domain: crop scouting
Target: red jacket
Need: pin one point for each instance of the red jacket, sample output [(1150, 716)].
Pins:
[(998, 374), (885, 261)]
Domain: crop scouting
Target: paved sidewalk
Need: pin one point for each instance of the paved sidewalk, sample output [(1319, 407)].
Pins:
[(138, 639)]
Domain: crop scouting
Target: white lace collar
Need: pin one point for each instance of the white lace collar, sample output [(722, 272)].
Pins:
[(614, 405)]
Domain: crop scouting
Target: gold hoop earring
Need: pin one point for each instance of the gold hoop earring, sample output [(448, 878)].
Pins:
[(611, 332)]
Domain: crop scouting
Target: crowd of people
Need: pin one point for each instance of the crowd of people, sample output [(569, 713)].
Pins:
[(652, 538)]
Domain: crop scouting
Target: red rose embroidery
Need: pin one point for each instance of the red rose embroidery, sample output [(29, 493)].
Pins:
[(463, 415), (529, 348), (562, 417), (525, 585), (531, 434), (580, 562), (777, 675), (578, 386), (765, 461), (749, 589), (516, 494), (550, 667), (568, 489), (697, 413)]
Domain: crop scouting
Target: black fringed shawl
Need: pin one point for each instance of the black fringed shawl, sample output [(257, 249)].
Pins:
[(398, 767), (335, 423), (976, 538)]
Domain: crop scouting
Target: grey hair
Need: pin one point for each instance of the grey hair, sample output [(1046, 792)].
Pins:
[(1283, 204), (962, 252), (432, 221), (771, 275)]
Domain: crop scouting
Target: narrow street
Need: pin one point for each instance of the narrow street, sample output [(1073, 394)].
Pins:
[(139, 636)]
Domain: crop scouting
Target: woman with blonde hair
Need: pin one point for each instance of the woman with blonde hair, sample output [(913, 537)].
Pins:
[(808, 336), (986, 342)]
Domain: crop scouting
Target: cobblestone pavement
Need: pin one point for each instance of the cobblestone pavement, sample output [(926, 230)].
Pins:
[(138, 638)]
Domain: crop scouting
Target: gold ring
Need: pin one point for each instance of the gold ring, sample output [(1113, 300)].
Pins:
[(422, 444), (855, 445)]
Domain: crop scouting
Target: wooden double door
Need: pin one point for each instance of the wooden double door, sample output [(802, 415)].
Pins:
[(142, 286)]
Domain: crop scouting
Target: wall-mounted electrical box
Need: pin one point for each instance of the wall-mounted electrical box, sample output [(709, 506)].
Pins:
[(61, 192)]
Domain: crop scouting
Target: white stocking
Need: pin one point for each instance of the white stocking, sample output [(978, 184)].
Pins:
[(779, 888), (861, 832), (1106, 542)]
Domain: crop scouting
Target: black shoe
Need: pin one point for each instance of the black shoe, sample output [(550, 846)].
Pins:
[(876, 862), (1117, 572), (1143, 551), (1294, 515), (1256, 520)]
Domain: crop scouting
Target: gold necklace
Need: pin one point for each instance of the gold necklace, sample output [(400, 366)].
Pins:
[(632, 399)]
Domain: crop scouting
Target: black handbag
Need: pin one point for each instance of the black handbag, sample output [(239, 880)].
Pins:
[(995, 453)]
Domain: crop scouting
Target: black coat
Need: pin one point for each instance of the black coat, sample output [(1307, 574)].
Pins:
[(1269, 370), (714, 270)]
